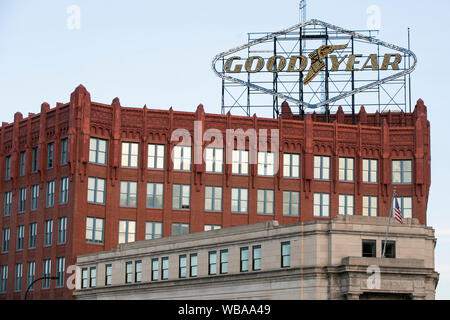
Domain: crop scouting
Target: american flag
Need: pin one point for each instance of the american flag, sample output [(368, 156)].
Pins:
[(398, 212)]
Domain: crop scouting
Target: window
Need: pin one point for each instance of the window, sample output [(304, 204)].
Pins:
[(5, 240), (128, 272), (285, 254), (7, 205), (50, 194), (239, 200), (370, 170), (401, 171), (214, 160), (370, 206), (210, 227), (96, 190), (128, 194), (50, 154), (33, 235), (389, 249), (213, 199), (22, 199), (34, 160), (321, 168), (291, 165), (256, 258), (18, 277), (64, 190), (291, 203), (346, 204), (48, 232), (94, 230), (130, 153), (155, 156), (22, 163), (127, 231), (138, 271), (165, 268), (405, 204), (346, 168), (179, 229), (34, 197), (321, 205), (84, 278), (108, 275), (369, 248), (31, 273), (244, 259), (223, 261), (265, 202), (64, 148), (181, 158), (155, 269), (155, 195), (181, 197), (212, 262), (92, 277), (4, 278), (60, 267), (193, 265), (62, 227), (46, 271), (8, 168), (98, 151), (182, 266), (266, 161), (240, 162), (20, 237), (153, 230)]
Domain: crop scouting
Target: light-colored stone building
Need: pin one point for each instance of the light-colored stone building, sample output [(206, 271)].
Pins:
[(338, 259)]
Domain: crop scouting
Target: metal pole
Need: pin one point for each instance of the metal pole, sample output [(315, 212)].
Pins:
[(39, 279), (389, 222), (409, 66)]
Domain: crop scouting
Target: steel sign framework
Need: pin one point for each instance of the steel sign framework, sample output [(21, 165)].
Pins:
[(327, 91)]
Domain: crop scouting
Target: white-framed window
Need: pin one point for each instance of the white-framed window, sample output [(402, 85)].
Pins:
[(34, 159), (182, 266), (265, 201), (130, 154), (98, 151), (108, 274), (60, 267), (291, 203), (64, 190), (128, 193), (182, 158), (34, 197), (181, 199), (405, 204), (401, 171), (244, 259), (346, 169), (291, 165), (179, 229), (95, 230), (22, 163), (370, 206), (155, 269), (50, 155), (321, 205), (8, 168), (153, 230), (31, 273), (84, 278), (240, 162), (223, 261), (64, 151), (239, 200), (210, 227), (7, 204), (50, 200), (96, 190), (92, 277), (127, 231), (138, 271), (214, 160), (212, 262), (46, 272), (18, 277), (22, 199), (155, 156), (346, 204), (164, 268), (285, 254), (33, 235), (128, 272), (3, 278), (321, 168), (6, 234), (62, 229), (155, 195), (370, 170), (213, 198), (266, 163), (193, 264), (48, 232), (20, 237)]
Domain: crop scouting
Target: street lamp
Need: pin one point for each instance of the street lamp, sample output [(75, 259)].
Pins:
[(39, 279)]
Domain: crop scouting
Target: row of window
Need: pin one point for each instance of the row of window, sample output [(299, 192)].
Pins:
[(32, 235), (31, 274), (187, 265)]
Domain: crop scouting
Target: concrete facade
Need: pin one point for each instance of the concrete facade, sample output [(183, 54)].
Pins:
[(325, 263)]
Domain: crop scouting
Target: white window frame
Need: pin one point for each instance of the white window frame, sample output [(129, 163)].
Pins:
[(130, 154), (127, 231), (370, 171), (64, 190), (130, 196), (346, 169), (214, 160), (288, 204), (213, 199), (266, 164), (182, 156), (291, 165), (402, 176), (96, 192), (155, 156), (347, 204), (266, 199), (179, 199), (372, 204), (240, 162), (322, 167), (95, 150), (96, 229), (153, 230), (155, 191), (240, 200), (406, 207), (321, 202)]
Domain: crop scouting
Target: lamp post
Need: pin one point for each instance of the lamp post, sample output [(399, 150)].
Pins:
[(38, 279)]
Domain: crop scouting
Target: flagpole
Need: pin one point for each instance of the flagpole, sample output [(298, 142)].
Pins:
[(389, 223)]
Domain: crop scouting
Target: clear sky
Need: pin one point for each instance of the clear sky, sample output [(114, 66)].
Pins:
[(159, 53)]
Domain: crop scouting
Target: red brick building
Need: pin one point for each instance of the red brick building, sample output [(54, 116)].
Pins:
[(90, 164)]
